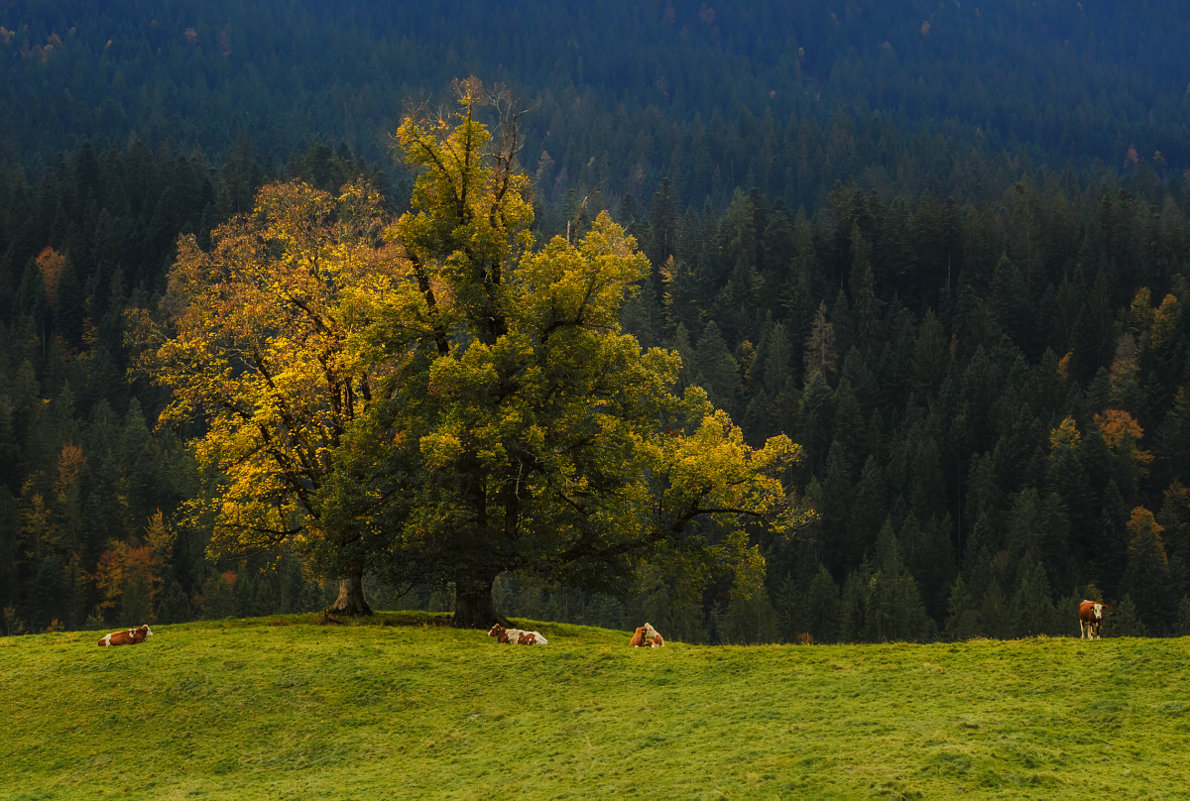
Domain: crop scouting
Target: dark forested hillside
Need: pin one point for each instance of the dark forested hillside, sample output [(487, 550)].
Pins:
[(785, 97), (942, 246), (991, 398)]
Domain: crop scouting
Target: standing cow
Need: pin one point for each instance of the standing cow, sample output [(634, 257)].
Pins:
[(1090, 619)]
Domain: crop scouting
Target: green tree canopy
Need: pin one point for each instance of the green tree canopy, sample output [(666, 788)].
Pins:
[(522, 429)]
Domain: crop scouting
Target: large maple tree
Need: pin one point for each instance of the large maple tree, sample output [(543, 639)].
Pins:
[(524, 429), (263, 349)]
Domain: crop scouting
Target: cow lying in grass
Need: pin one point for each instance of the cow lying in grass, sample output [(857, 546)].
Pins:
[(129, 637), (517, 636), (646, 637)]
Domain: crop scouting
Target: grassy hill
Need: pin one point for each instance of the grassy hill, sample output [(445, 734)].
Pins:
[(400, 708)]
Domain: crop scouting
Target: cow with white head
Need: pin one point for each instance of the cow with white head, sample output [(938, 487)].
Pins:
[(1090, 619)]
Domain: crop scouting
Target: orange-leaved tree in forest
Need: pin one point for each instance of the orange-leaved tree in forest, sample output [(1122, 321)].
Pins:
[(130, 575), (261, 344), (1123, 433)]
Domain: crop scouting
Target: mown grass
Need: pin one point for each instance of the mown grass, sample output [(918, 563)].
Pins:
[(286, 708)]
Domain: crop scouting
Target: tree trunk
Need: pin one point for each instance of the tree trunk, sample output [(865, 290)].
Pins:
[(473, 600), (351, 601)]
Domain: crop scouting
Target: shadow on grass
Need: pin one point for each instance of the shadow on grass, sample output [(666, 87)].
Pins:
[(378, 619), (416, 619)]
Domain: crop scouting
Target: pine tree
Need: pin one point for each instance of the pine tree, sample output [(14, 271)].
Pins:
[(1033, 609), (993, 610), (174, 605), (1146, 577), (815, 421), (853, 604), (716, 370), (10, 527), (661, 241), (821, 615), (867, 508), (820, 355), (1181, 626), (749, 620), (1124, 620), (929, 555), (833, 504), (963, 620), (894, 610)]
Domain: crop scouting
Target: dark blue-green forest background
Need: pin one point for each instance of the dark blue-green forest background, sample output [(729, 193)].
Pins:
[(943, 246)]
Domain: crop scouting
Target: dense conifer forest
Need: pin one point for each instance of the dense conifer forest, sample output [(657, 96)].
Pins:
[(943, 247)]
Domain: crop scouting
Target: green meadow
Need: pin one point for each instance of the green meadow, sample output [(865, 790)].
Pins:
[(401, 707)]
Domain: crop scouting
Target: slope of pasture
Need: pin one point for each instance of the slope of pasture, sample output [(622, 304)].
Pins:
[(285, 708)]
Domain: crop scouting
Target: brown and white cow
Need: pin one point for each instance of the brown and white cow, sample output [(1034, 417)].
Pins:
[(1090, 619), (129, 637), (641, 639), (517, 636), (504, 635)]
